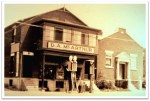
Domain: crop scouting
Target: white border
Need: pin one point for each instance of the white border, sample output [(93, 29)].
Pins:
[(71, 2)]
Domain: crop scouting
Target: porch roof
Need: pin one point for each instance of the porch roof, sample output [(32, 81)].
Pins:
[(123, 56)]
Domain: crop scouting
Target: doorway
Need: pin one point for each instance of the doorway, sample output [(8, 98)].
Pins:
[(123, 72), (27, 66), (87, 70)]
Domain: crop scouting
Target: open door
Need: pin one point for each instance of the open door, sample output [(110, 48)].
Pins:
[(27, 66), (123, 72), (87, 70)]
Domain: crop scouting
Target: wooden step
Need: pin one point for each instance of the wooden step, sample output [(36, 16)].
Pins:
[(29, 85)]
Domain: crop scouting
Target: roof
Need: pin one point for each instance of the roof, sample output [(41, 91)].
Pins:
[(121, 34), (123, 56), (61, 15)]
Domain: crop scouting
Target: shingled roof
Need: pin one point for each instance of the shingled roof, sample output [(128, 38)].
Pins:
[(62, 16)]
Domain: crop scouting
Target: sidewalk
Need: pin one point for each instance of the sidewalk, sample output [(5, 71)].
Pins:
[(141, 93)]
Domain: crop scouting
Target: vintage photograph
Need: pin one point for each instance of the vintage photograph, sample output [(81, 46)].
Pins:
[(69, 50)]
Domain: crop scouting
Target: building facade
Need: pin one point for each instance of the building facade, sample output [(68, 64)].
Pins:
[(38, 49), (120, 60), (55, 50)]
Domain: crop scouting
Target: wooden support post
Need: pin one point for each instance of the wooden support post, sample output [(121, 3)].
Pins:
[(118, 62), (20, 66), (91, 83), (91, 75), (43, 68), (20, 71)]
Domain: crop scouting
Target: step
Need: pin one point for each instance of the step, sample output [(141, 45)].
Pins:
[(30, 86)]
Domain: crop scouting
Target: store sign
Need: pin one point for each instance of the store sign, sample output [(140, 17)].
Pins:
[(28, 53), (15, 47), (70, 47)]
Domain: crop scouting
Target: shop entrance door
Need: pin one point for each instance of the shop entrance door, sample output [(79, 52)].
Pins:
[(87, 70), (27, 66), (123, 71)]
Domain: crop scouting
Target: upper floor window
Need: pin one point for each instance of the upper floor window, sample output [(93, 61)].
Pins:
[(92, 40), (108, 59), (67, 36), (84, 39), (48, 33), (58, 34), (76, 37), (133, 61)]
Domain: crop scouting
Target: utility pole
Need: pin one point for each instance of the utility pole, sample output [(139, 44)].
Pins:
[(18, 51)]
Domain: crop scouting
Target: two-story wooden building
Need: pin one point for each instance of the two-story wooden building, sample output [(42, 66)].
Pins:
[(37, 50)]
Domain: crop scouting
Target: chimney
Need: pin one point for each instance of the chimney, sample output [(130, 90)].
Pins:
[(122, 30)]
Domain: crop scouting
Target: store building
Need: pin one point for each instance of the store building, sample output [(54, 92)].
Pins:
[(120, 60), (37, 51)]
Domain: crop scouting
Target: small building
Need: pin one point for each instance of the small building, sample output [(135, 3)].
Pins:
[(37, 51), (120, 60)]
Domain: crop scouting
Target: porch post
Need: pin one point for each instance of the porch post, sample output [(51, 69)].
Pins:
[(17, 64), (20, 66), (20, 71), (117, 69), (91, 75), (129, 79), (43, 68)]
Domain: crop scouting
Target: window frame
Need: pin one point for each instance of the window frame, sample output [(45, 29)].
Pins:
[(133, 62), (67, 34), (83, 40), (58, 29), (109, 55), (93, 38)]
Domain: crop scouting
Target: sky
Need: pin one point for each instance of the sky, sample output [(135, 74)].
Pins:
[(106, 17)]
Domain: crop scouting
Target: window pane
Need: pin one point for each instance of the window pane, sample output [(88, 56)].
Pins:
[(108, 61), (58, 34), (92, 40), (48, 33), (133, 63), (76, 37), (68, 36), (84, 39)]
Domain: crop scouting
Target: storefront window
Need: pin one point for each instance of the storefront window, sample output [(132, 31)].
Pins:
[(50, 72), (60, 73)]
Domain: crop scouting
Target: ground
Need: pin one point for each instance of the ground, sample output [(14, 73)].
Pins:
[(100, 94)]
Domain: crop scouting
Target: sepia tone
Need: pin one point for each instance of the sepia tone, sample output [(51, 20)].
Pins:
[(56, 52)]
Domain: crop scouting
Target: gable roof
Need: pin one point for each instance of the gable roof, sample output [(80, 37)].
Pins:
[(122, 35), (62, 16), (123, 56)]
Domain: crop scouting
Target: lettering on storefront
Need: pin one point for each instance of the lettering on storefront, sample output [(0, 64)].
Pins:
[(70, 47)]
